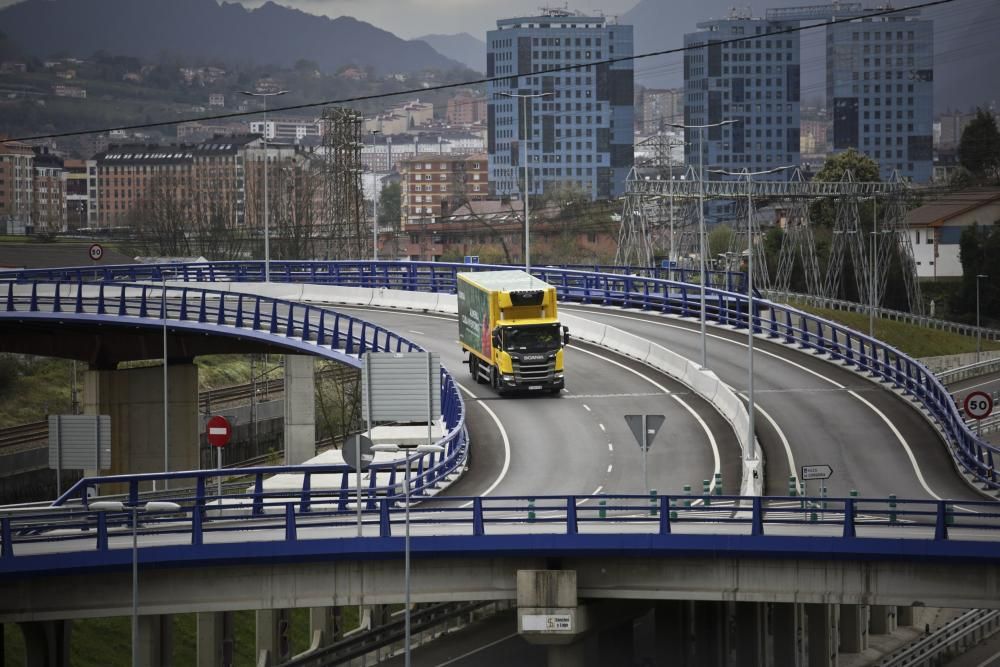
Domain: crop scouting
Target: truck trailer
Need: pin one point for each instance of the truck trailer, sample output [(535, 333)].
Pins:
[(507, 322)]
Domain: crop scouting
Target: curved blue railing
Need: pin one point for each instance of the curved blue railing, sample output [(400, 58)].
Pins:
[(59, 539), (778, 321), (309, 329)]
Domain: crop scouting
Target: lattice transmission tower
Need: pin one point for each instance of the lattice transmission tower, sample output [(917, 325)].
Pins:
[(799, 243), (345, 228)]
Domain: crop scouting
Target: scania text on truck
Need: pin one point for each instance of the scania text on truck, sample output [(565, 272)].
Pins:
[(507, 322)]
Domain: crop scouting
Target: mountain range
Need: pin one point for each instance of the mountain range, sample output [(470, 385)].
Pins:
[(966, 62), (206, 30), (462, 47)]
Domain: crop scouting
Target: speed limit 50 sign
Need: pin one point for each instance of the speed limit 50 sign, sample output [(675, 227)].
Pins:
[(978, 404)]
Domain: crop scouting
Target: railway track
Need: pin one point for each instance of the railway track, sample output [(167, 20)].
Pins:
[(27, 436)]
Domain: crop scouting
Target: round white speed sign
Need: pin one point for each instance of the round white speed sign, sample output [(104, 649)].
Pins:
[(978, 405)]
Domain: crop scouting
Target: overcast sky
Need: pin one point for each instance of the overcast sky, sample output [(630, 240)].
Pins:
[(413, 18)]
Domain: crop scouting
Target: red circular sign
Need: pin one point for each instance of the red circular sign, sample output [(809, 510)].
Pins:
[(218, 431), (95, 251), (978, 404)]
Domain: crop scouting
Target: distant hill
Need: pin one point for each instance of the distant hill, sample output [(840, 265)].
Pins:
[(203, 29), (967, 64), (462, 47)]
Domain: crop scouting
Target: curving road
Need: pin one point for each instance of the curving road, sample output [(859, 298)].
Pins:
[(578, 442), (876, 442)]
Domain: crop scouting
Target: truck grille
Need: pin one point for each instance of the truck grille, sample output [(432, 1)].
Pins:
[(533, 371)]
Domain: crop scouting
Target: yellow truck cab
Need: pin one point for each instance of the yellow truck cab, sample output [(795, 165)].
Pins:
[(507, 322)]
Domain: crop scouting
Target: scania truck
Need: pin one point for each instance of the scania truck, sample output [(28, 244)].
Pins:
[(507, 322)]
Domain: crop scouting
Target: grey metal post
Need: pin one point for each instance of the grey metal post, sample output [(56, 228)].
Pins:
[(220, 477), (701, 242), (874, 280), (406, 570), (979, 330), (751, 407), (357, 441), (670, 166), (375, 195), (166, 419), (135, 588), (645, 476), (430, 398)]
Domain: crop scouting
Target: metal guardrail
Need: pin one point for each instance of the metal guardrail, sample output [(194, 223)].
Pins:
[(362, 644), (29, 538), (311, 329), (955, 637), (969, 371), (883, 313)]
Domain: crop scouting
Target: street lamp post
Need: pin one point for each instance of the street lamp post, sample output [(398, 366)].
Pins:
[(267, 239), (151, 507), (375, 194), (701, 223), (166, 401), (751, 404), (979, 331), (524, 124), (420, 449)]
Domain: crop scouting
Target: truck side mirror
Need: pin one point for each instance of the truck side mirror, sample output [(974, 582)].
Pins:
[(565, 335), (496, 338)]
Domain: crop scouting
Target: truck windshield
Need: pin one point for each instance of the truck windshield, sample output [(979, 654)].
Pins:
[(541, 338)]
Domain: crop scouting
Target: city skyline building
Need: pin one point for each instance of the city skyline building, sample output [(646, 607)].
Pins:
[(754, 81), (579, 124)]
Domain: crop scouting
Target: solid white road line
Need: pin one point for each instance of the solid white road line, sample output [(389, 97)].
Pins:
[(476, 650), (879, 413), (506, 444), (781, 435)]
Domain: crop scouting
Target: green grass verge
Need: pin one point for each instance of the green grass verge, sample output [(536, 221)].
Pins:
[(914, 340), (106, 642)]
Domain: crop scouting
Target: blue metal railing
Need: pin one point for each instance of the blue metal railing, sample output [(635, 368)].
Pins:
[(312, 329), (256, 514), (852, 348)]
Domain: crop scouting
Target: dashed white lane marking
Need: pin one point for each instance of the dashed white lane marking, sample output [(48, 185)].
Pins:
[(419, 333), (586, 407), (598, 490), (602, 428), (610, 466), (611, 447)]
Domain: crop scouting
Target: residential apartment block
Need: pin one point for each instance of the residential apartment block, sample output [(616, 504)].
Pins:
[(575, 126), (285, 130), (660, 108), (746, 70), (466, 109), (48, 201), (433, 186), (16, 180)]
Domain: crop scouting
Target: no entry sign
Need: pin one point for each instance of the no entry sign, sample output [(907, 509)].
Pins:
[(218, 431)]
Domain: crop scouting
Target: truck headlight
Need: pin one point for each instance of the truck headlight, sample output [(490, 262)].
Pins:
[(558, 376), (508, 378)]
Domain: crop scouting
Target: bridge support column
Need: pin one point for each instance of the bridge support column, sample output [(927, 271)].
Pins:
[(883, 619), (133, 398), (616, 644), (823, 634), (46, 643), (788, 632), (215, 639), (300, 409), (548, 613), (323, 620), (751, 632), (567, 655), (156, 640), (904, 617), (671, 633), (709, 619), (853, 628), (273, 636)]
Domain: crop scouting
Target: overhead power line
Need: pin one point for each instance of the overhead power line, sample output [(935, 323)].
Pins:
[(449, 86)]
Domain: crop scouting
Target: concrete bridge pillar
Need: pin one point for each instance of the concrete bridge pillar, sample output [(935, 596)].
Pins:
[(567, 655), (156, 640), (823, 635), (853, 628), (273, 636), (671, 633), (751, 633), (616, 644), (788, 634), (133, 397), (215, 639), (883, 619), (300, 409), (904, 617), (325, 621), (708, 645), (46, 643)]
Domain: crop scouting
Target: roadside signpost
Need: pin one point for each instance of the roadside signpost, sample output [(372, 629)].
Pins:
[(218, 432), (357, 452), (96, 251), (644, 429), (820, 471), (978, 405)]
